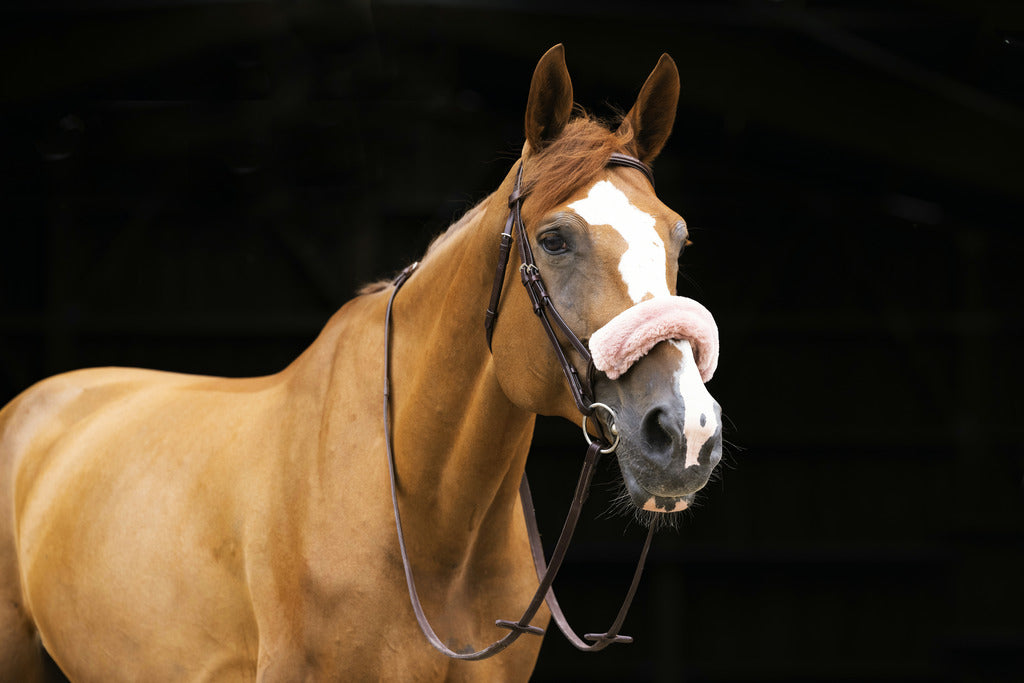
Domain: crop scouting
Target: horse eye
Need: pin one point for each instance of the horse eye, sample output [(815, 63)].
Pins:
[(553, 243)]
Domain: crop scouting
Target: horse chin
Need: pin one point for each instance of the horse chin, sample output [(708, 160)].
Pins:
[(659, 500)]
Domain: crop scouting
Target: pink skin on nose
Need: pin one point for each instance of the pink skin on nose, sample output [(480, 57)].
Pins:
[(631, 334), (679, 505)]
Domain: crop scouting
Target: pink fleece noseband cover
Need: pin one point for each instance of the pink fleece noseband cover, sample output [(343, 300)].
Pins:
[(631, 334)]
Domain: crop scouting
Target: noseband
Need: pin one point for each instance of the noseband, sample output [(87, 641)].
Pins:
[(582, 391)]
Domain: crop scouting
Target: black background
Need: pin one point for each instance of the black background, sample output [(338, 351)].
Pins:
[(197, 185)]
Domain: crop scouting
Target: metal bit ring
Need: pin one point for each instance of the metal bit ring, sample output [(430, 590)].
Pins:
[(612, 427)]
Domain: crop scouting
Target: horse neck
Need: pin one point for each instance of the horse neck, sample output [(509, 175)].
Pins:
[(460, 444)]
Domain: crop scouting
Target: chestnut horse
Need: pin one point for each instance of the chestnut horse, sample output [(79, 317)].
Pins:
[(169, 527)]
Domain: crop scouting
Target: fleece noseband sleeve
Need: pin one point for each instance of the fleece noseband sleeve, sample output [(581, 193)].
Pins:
[(631, 334)]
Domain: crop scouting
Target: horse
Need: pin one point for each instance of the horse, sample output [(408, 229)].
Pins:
[(166, 527)]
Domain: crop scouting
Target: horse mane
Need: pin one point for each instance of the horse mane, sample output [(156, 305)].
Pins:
[(373, 287), (551, 176), (454, 228)]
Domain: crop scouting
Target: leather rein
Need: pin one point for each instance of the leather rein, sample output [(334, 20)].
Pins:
[(582, 391)]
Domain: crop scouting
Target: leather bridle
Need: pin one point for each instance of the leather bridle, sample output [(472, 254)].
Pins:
[(582, 391), (581, 388)]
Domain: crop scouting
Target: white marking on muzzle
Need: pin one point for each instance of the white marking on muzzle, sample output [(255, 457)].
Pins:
[(643, 264), (701, 420)]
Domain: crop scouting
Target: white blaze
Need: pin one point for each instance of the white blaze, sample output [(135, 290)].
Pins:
[(643, 269), (700, 406), (642, 265)]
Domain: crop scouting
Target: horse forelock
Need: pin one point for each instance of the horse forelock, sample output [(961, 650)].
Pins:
[(573, 160)]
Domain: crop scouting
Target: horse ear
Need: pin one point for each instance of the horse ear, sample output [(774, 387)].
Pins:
[(550, 103), (651, 118)]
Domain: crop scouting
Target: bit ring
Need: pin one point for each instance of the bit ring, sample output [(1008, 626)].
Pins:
[(612, 427)]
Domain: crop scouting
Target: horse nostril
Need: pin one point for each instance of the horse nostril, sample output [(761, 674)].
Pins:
[(657, 432)]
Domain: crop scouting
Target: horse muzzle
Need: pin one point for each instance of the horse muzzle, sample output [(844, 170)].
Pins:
[(669, 428)]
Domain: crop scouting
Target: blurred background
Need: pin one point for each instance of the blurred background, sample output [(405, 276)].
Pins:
[(197, 185)]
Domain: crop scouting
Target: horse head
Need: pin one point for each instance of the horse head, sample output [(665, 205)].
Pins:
[(608, 250)]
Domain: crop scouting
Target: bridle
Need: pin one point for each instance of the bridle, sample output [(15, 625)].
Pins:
[(582, 391), (581, 388)]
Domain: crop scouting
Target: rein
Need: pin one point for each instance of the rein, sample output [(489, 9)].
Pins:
[(583, 395)]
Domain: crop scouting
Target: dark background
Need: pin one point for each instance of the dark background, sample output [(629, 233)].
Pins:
[(197, 185)]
